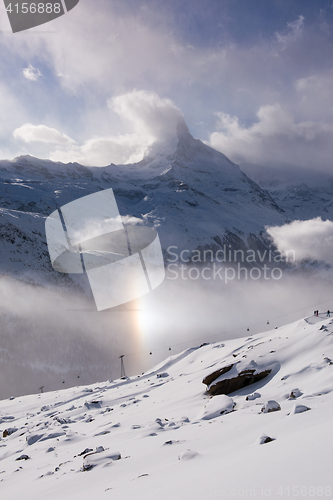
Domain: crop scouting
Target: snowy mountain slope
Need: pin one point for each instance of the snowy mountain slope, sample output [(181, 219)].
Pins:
[(303, 193), (191, 193), (160, 435), (197, 197)]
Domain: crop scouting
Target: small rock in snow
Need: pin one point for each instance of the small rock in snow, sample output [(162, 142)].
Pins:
[(160, 423), (23, 457), (102, 433), (92, 404), (6, 418), (53, 435), (84, 452), (265, 439), (99, 458), (295, 393), (270, 406), (251, 397), (34, 438), (299, 409), (9, 431), (217, 406)]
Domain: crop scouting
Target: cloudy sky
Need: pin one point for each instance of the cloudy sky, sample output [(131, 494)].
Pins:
[(252, 78)]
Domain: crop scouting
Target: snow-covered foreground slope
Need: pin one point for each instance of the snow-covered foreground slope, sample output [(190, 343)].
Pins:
[(172, 438)]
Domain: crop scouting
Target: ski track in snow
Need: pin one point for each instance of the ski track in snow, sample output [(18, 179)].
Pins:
[(161, 435)]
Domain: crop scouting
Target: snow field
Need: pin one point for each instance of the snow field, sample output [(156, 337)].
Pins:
[(173, 439)]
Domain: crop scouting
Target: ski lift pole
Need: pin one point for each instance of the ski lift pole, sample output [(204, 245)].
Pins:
[(122, 367)]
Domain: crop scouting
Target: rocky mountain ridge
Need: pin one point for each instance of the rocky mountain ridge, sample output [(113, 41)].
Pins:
[(194, 196)]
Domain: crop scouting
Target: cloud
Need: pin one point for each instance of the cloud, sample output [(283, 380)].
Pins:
[(315, 92), (293, 32), (31, 73), (275, 136), (125, 49), (12, 111), (101, 151), (40, 133), (311, 239), (151, 118), (150, 115), (146, 46)]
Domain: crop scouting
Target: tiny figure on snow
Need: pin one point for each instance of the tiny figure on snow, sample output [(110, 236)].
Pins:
[(328, 313), (317, 312)]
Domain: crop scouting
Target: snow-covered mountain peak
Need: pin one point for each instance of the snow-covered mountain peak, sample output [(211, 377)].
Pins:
[(195, 195), (182, 150)]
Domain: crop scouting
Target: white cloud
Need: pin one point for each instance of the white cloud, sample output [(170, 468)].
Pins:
[(31, 73), (275, 136), (316, 94), (141, 48), (294, 32), (151, 117), (12, 111), (124, 48), (101, 151), (40, 133), (308, 239)]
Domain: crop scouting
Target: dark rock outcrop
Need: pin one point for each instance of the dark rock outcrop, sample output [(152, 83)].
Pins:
[(213, 376), (229, 385)]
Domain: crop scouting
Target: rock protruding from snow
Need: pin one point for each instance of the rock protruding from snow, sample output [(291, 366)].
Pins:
[(234, 377), (270, 406), (265, 439), (218, 406), (299, 409), (251, 397), (215, 375), (99, 458), (23, 457), (295, 393), (34, 438), (9, 431)]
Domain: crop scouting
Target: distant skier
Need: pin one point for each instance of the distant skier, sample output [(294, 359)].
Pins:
[(328, 314), (317, 312)]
